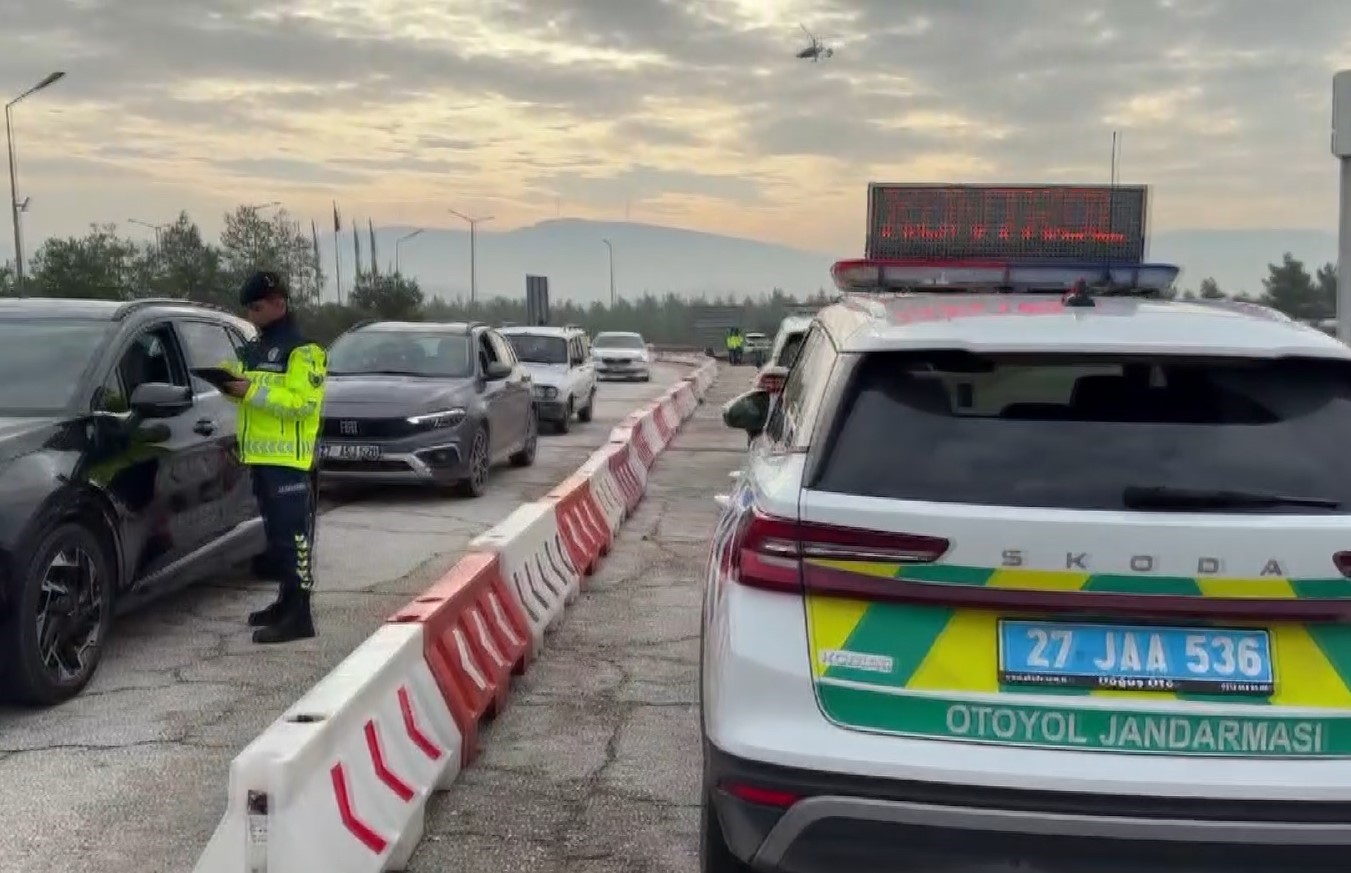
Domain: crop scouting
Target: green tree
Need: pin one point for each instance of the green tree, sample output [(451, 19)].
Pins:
[(183, 264), (392, 297), (1325, 280), (7, 288), (100, 265), (1210, 290), (251, 242), (1291, 289)]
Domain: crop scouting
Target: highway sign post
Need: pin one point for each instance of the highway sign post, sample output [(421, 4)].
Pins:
[(1341, 148)]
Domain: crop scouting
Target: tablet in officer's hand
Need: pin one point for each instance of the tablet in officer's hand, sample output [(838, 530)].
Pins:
[(219, 377)]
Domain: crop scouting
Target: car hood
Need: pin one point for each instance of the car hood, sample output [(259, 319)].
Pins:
[(392, 396), (20, 435), (546, 374)]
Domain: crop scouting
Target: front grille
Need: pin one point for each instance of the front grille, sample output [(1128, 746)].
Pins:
[(365, 428), (615, 361)]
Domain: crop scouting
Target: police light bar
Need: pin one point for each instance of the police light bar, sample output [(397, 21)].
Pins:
[(1000, 276)]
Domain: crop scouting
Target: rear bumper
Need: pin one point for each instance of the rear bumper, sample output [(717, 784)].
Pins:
[(870, 825)]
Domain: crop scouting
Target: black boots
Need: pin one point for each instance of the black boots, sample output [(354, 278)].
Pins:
[(268, 614), (291, 621)]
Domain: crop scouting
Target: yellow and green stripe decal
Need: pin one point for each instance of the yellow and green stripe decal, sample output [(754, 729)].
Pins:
[(899, 660)]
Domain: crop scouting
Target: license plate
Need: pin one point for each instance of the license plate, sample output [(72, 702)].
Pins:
[(1136, 658), (350, 453)]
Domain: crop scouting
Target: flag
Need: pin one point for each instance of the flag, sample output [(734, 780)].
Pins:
[(314, 233), (375, 262), (356, 249), (337, 222)]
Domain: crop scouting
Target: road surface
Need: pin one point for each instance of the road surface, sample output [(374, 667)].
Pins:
[(594, 766), (131, 776)]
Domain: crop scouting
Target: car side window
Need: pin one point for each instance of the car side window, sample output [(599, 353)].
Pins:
[(486, 353), (152, 356), (502, 348), (206, 344), (797, 405)]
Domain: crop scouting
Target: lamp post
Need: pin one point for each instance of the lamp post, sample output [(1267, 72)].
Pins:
[(399, 242), (473, 246), (1341, 148), (610, 246), (14, 204), (157, 228)]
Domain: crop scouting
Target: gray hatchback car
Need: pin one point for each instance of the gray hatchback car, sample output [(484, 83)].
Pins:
[(425, 402)]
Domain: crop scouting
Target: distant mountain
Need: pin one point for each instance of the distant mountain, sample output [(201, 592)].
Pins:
[(660, 259)]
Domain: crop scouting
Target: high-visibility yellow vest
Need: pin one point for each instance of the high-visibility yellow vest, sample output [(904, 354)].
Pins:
[(279, 415)]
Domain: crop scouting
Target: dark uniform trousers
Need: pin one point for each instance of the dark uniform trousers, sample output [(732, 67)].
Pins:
[(286, 500)]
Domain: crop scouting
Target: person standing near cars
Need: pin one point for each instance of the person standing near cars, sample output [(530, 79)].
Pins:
[(280, 390)]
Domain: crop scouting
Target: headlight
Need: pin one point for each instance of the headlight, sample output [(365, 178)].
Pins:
[(546, 392), (444, 418)]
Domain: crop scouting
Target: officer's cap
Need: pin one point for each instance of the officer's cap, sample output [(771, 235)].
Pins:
[(262, 285)]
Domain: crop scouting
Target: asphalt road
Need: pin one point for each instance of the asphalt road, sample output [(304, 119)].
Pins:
[(131, 776), (594, 766)]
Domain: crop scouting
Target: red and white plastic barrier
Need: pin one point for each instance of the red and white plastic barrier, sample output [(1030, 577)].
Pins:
[(340, 782)]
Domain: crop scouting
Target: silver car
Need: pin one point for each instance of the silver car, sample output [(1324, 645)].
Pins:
[(621, 355), (436, 403)]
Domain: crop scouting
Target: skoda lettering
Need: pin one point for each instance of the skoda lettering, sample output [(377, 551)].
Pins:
[(1203, 565)]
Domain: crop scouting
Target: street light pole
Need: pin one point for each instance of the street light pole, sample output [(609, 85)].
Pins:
[(473, 250), (157, 228), (399, 242), (1341, 148), (14, 205), (611, 248)]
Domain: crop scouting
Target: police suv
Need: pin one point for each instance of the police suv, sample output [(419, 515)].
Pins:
[(1038, 573)]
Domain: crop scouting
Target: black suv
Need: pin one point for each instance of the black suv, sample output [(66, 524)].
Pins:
[(119, 475), (425, 402)]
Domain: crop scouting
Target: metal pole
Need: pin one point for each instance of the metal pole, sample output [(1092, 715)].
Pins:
[(610, 246), (473, 246), (14, 201), (1344, 255), (1341, 149)]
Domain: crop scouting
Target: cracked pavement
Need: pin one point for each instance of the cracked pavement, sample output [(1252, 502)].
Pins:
[(131, 775), (594, 765)]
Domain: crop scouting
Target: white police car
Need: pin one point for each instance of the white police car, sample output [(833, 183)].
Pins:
[(1017, 581)]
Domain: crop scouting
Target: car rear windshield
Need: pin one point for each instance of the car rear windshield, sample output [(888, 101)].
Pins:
[(791, 344), (532, 349), (413, 353), (618, 341), (42, 361), (1076, 431)]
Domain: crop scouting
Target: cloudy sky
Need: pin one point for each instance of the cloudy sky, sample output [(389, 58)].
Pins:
[(684, 112)]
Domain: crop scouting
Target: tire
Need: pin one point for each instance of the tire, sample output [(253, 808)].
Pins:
[(526, 456), (714, 856), (564, 425), (26, 677), (586, 413), (479, 464)]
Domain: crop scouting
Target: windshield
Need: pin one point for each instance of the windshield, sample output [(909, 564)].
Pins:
[(403, 354), (619, 341), (535, 349), (42, 360), (1088, 432)]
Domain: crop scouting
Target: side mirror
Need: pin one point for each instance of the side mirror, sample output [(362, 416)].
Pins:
[(160, 400), (496, 372), (748, 412)]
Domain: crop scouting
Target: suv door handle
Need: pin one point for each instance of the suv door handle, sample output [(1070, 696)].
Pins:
[(204, 426)]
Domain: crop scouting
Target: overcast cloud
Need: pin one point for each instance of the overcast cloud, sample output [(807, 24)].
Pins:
[(691, 113)]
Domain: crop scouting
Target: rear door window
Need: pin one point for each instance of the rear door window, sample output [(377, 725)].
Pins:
[(1075, 431)]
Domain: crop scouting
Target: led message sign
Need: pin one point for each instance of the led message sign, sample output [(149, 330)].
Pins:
[(1007, 222)]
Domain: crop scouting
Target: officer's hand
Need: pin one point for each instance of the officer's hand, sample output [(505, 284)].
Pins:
[(237, 388)]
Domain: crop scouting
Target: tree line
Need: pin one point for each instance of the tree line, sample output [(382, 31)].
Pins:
[(182, 263)]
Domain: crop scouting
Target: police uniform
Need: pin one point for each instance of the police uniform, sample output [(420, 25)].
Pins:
[(278, 428)]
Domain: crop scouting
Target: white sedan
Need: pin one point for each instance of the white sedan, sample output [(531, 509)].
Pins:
[(621, 356)]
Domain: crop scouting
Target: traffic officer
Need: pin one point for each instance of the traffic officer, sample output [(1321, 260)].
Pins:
[(280, 390)]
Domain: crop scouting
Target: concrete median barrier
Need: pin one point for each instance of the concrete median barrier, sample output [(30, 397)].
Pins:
[(340, 782)]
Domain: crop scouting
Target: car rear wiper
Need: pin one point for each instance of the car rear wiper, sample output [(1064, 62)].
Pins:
[(1162, 497)]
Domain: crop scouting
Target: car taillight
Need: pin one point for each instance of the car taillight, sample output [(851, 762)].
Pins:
[(771, 382), (760, 795), (768, 550)]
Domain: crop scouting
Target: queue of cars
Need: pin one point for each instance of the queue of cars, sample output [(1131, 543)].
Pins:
[(119, 472), (1034, 578)]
